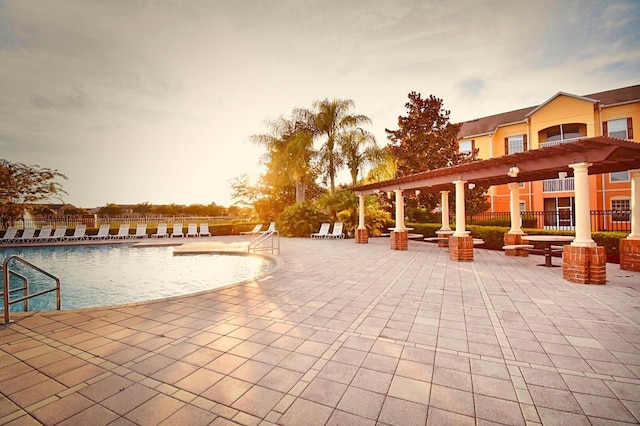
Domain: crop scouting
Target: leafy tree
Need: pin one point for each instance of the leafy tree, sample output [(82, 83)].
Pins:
[(358, 148), (111, 209), (332, 120), (21, 185), (426, 140)]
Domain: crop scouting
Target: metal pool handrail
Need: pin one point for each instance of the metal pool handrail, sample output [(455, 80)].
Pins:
[(27, 296), (274, 235)]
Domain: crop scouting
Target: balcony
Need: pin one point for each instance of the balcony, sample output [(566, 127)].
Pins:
[(558, 185), (560, 141)]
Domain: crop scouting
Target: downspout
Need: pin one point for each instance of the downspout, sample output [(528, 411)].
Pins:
[(491, 156), (603, 180), (530, 188)]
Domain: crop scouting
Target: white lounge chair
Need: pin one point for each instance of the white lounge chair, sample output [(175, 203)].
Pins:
[(80, 233), (123, 232), (323, 231), (141, 231), (59, 234), (103, 232), (177, 230), (192, 230), (204, 230), (256, 230), (9, 236), (161, 232), (336, 232), (271, 228), (44, 234), (27, 235)]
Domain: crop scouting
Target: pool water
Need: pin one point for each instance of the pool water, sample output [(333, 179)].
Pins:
[(106, 275)]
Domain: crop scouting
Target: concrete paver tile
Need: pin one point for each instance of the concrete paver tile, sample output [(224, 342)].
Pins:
[(453, 400), (155, 410), (189, 415), (606, 408), (556, 399), (498, 410), (325, 392), (62, 409), (227, 390), (361, 402), (400, 412), (258, 401), (437, 417), (410, 389), (129, 398)]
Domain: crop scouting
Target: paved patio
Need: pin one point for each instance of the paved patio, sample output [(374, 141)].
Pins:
[(342, 334)]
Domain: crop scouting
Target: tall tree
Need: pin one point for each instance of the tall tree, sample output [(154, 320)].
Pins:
[(358, 148), (426, 140), (21, 185), (332, 120)]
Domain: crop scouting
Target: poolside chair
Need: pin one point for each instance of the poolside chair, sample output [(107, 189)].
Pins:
[(204, 230), (192, 230), (337, 231), (271, 228), (80, 233), (9, 235), (44, 234), (161, 232), (27, 235), (323, 231), (59, 233), (141, 231), (103, 232), (256, 230), (123, 232), (177, 230)]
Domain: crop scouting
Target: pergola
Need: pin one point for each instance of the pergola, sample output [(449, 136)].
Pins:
[(578, 159)]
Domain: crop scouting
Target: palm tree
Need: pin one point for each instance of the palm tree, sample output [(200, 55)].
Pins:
[(332, 120), (358, 148)]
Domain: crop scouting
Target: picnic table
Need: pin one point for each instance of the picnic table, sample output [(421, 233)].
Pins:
[(547, 241)]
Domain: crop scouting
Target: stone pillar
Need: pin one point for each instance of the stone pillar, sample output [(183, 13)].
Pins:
[(460, 211), (444, 206), (514, 193), (400, 234), (583, 262), (460, 242), (362, 235), (630, 246)]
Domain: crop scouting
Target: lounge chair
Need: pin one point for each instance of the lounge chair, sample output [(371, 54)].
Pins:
[(271, 228), (161, 232), (123, 232), (323, 231), (59, 234), (204, 230), (255, 231), (192, 230), (80, 233), (141, 231), (177, 230), (9, 236), (337, 231), (27, 235), (103, 232), (44, 234)]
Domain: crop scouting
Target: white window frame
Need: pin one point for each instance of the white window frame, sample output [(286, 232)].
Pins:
[(624, 218), (618, 177), (465, 151), (516, 143)]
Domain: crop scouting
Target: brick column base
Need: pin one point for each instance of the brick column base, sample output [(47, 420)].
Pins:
[(630, 255), (362, 236), (515, 239), (399, 240), (584, 265), (461, 248)]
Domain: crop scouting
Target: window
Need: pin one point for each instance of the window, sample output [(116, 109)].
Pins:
[(621, 209), (523, 207), (621, 128), (515, 143), (466, 147), (563, 132), (619, 177)]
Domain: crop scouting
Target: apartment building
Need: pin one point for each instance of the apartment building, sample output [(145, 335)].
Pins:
[(562, 118)]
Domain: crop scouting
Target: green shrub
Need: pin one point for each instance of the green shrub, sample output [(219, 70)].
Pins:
[(426, 229), (301, 220)]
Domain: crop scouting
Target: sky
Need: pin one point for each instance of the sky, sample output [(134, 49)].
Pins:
[(155, 101)]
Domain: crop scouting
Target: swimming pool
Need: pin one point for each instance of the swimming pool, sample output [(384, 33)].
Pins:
[(106, 275)]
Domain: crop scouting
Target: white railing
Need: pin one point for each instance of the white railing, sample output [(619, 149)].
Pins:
[(560, 141), (94, 221), (267, 241), (558, 185)]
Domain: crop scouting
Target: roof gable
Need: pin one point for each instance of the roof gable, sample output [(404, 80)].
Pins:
[(556, 96)]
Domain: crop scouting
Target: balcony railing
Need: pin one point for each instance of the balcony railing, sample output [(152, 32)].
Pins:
[(558, 185), (560, 141)]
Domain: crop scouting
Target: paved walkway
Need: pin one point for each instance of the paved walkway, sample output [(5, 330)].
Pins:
[(342, 334)]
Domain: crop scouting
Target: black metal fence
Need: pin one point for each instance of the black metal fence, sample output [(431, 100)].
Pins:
[(560, 220)]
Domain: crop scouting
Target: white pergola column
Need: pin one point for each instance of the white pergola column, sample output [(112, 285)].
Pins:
[(361, 224), (634, 175), (583, 210), (460, 210), (514, 208), (399, 211), (444, 207)]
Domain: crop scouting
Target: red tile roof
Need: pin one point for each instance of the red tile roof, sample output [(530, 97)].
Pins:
[(488, 124)]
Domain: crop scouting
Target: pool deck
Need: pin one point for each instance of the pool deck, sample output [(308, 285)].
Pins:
[(342, 334)]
